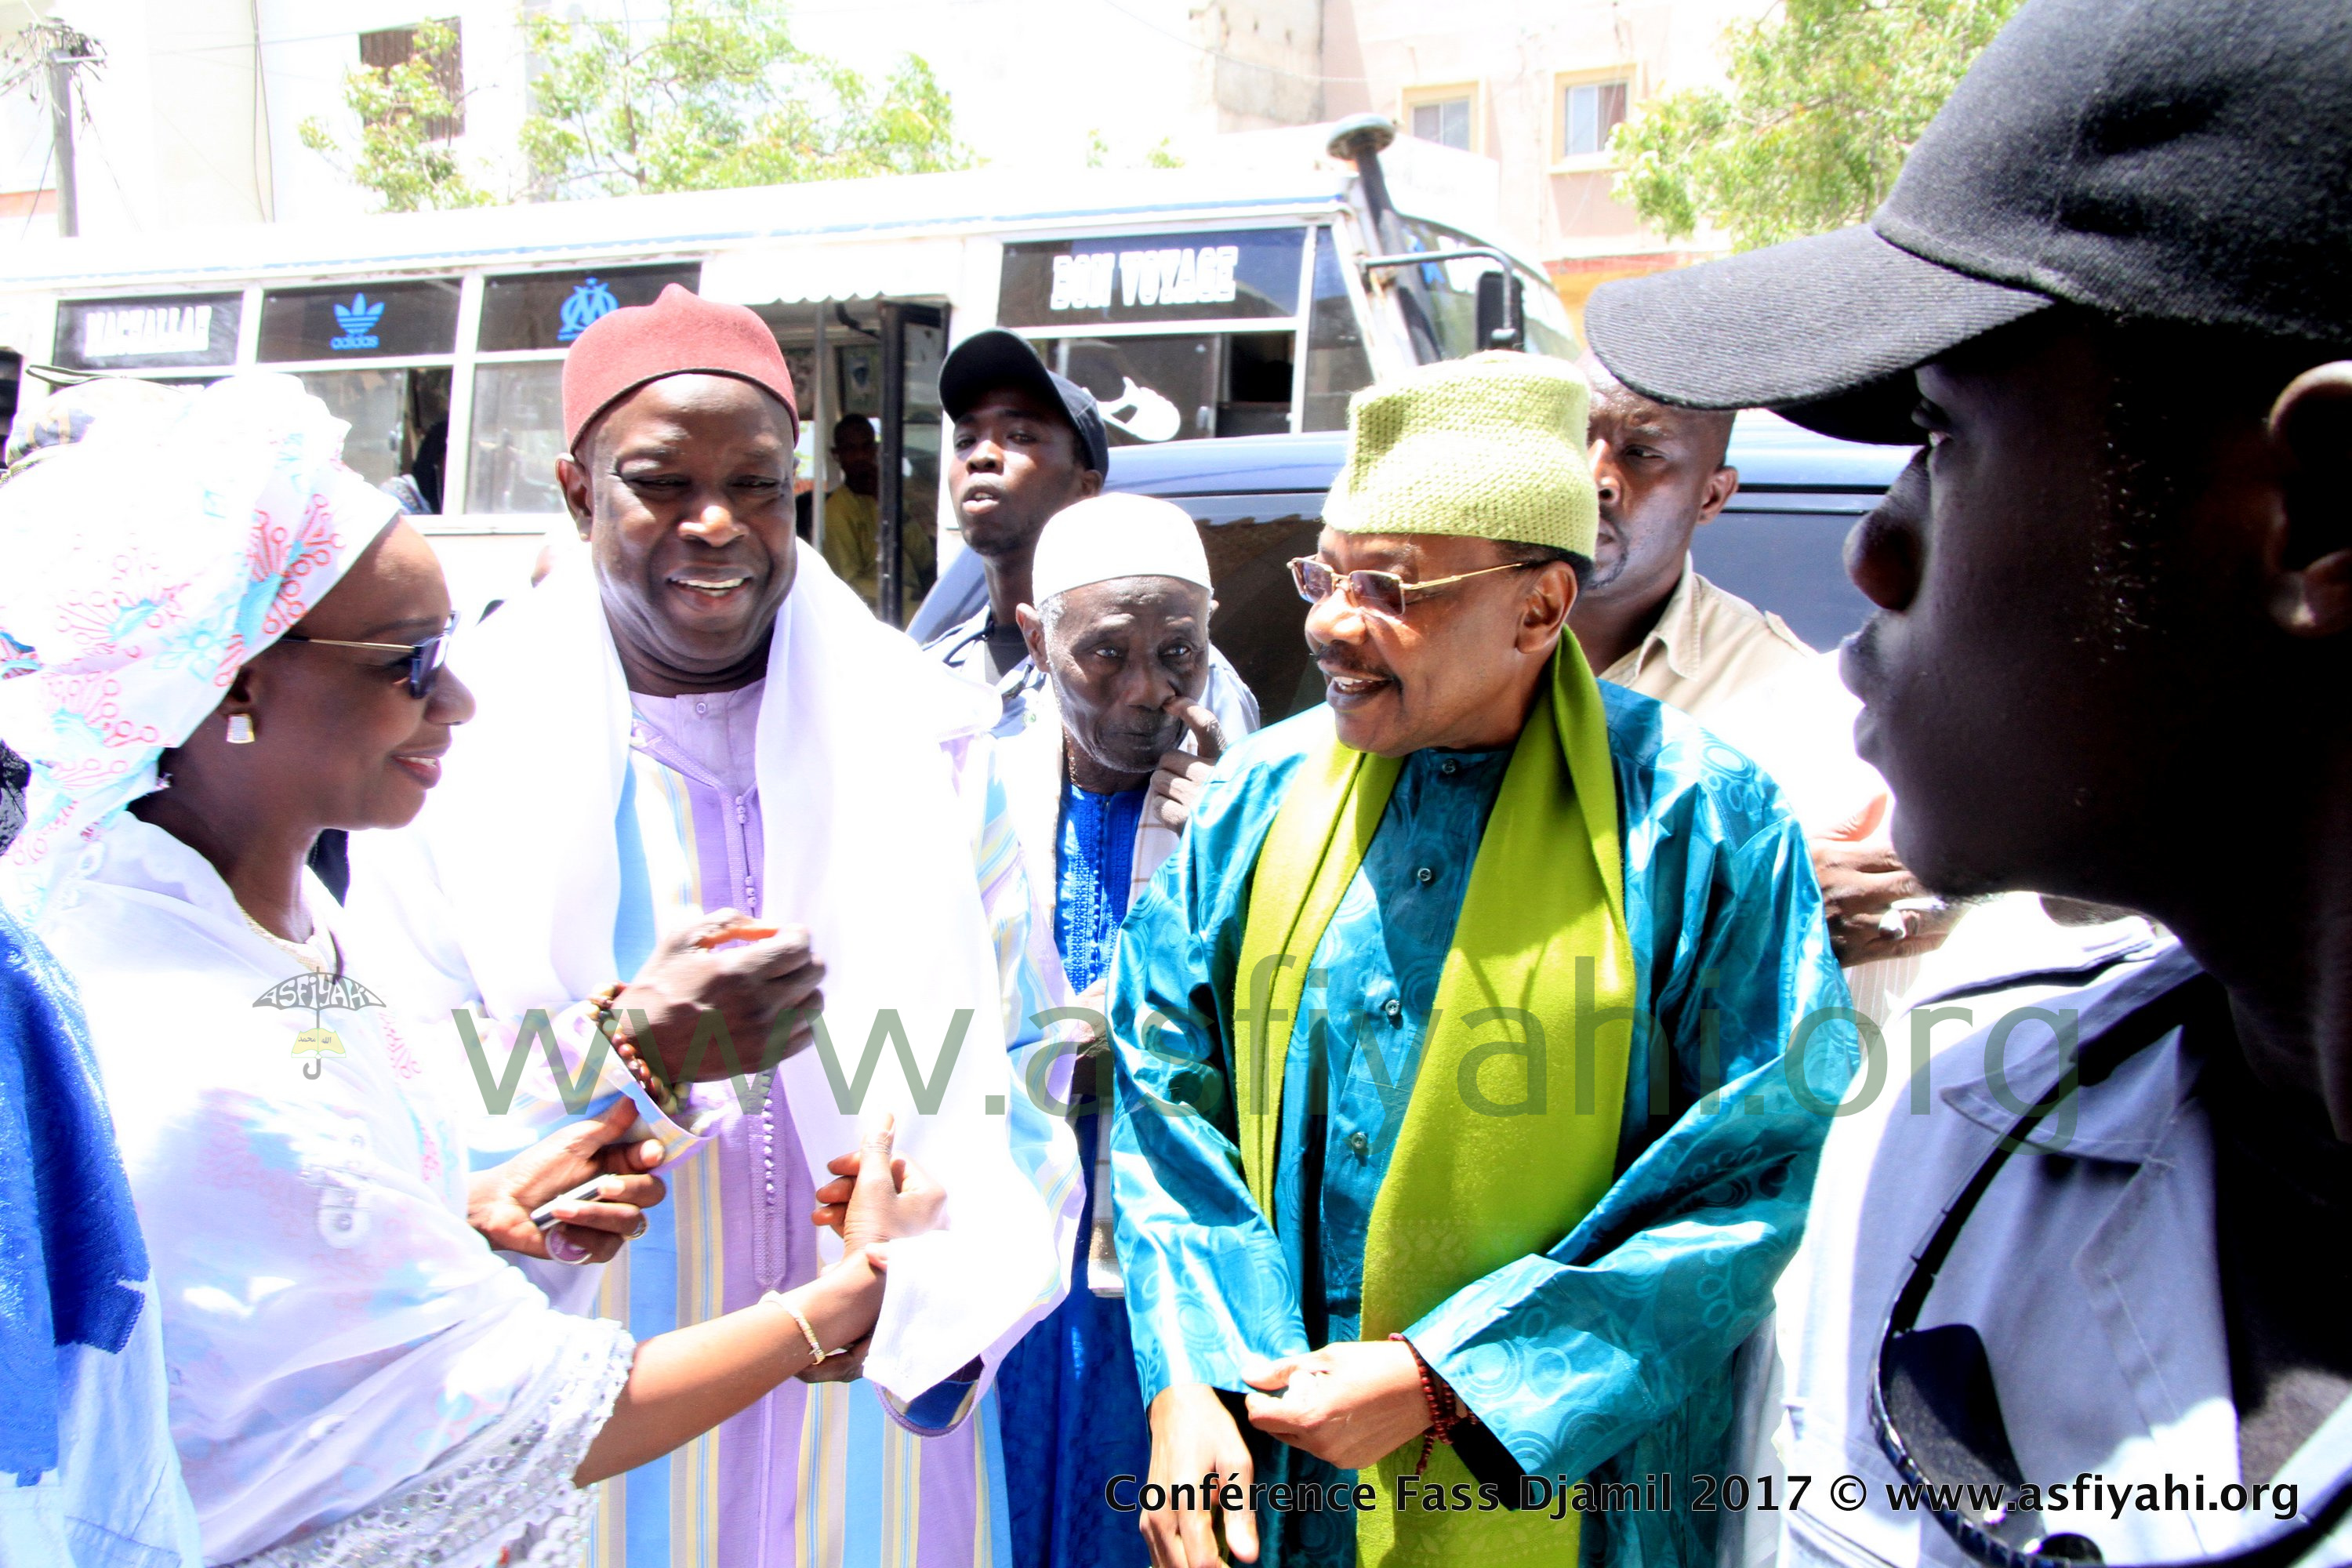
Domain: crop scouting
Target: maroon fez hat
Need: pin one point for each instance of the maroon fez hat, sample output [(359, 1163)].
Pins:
[(678, 334)]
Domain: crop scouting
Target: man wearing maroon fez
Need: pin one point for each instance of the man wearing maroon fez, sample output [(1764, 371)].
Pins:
[(711, 806)]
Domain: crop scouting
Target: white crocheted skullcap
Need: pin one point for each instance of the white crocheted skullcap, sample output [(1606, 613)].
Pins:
[(1114, 536)]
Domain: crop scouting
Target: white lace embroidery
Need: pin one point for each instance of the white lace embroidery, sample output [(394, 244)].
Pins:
[(509, 1487)]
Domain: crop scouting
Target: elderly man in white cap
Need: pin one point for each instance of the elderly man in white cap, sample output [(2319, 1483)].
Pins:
[(1119, 627)]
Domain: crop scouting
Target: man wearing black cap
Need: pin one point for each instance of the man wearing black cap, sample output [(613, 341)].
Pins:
[(1027, 443), (2100, 1248)]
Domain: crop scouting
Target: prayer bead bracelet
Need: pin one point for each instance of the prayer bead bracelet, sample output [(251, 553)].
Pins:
[(602, 1011), (1442, 1415)]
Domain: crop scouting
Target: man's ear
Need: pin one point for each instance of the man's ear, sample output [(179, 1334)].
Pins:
[(1089, 485), (2309, 554), (1032, 633), (571, 479), (1543, 614), (1719, 492)]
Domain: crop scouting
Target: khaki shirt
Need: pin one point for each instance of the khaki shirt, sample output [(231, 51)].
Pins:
[(1707, 647)]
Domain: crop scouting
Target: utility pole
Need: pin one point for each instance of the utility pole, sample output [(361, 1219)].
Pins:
[(49, 53), (61, 74)]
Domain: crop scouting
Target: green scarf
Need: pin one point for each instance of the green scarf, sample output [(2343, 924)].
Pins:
[(1511, 1135)]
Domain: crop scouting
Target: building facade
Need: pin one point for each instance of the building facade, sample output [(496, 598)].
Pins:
[(196, 115), (1535, 85)]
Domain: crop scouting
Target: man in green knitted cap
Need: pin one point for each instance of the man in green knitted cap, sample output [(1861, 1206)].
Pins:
[(1456, 1151)]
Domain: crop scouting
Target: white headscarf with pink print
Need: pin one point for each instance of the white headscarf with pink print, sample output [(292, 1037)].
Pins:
[(151, 550)]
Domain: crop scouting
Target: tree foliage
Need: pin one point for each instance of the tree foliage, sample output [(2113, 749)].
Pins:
[(1826, 99), (404, 153), (719, 95)]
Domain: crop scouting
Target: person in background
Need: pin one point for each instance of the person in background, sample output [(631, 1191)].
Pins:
[(1120, 629), (693, 731), (1648, 620), (418, 491), (1027, 443), (1414, 1029), (853, 518), (88, 1442), (2085, 1267), (354, 1374)]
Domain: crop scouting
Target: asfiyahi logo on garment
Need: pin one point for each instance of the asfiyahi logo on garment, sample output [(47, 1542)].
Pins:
[(321, 994)]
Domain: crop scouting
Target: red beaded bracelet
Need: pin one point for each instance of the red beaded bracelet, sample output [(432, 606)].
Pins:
[(1443, 1416)]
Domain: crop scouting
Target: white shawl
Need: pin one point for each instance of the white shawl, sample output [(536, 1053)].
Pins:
[(866, 845)]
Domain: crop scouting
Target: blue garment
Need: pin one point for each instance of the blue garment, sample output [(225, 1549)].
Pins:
[(87, 1475), (70, 1252), (1073, 1416), (1092, 859), (1611, 1355)]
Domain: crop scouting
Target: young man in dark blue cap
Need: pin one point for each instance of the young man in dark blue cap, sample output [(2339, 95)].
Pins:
[(2090, 1270), (1027, 443)]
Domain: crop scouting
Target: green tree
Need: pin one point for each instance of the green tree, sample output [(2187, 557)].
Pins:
[(407, 116), (1826, 98), (717, 95)]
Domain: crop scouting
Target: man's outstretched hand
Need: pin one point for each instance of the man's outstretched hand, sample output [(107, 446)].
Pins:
[(1195, 1443), (499, 1201), (1862, 881), (876, 1195)]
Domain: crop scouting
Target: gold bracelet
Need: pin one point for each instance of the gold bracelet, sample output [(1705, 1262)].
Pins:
[(816, 1348)]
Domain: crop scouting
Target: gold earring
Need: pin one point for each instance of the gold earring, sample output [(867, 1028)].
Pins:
[(240, 730)]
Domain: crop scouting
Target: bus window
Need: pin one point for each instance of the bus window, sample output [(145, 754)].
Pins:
[(529, 322), (147, 334), (517, 434), (1258, 382), (1453, 290), (1336, 365), (1155, 389), (400, 425), (1151, 389), (548, 310), (385, 320), (1179, 336), (1184, 276)]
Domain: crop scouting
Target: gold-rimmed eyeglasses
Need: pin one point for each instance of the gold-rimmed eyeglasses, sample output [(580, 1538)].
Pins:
[(1382, 592)]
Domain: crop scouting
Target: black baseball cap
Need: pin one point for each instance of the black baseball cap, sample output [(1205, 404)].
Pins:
[(2183, 161), (986, 361)]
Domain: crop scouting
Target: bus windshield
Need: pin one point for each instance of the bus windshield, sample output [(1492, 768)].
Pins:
[(1452, 291)]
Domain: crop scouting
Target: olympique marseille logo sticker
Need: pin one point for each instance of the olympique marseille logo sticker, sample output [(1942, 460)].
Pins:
[(321, 994)]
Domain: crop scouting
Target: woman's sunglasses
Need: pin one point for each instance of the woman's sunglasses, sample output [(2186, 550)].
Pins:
[(1382, 592), (425, 658)]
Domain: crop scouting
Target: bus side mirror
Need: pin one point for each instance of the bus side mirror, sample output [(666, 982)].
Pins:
[(1500, 311)]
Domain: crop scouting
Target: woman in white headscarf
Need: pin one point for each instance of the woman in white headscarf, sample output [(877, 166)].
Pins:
[(205, 669)]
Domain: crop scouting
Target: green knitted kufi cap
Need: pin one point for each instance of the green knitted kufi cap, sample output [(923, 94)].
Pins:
[(1491, 447)]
